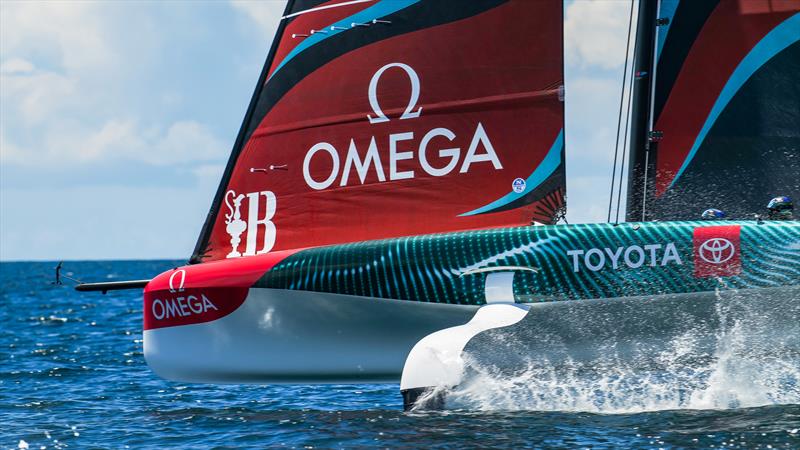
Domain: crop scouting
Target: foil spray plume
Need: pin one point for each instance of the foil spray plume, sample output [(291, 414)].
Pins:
[(737, 351)]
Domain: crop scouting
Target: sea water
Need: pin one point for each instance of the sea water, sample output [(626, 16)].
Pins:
[(72, 375)]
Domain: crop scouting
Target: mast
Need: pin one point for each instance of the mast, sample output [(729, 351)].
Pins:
[(641, 169)]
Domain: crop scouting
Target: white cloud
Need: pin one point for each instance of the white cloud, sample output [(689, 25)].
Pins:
[(96, 99), (266, 14), (182, 143), (208, 174), (75, 33), (595, 32), (8, 151), (108, 223), (63, 97), (34, 95), (187, 141), (591, 122), (15, 66), (592, 205), (592, 119)]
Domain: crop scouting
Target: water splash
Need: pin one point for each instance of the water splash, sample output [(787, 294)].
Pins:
[(745, 360)]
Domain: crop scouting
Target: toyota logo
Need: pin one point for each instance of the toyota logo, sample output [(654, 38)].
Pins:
[(717, 250)]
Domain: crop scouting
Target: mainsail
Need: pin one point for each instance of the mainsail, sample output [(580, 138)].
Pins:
[(719, 126), (384, 118)]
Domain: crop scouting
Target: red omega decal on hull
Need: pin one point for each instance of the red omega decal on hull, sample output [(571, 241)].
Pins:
[(203, 292), (165, 309)]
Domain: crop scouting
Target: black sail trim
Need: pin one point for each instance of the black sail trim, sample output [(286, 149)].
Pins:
[(303, 5)]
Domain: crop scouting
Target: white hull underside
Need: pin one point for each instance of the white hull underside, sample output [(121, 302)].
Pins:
[(280, 336)]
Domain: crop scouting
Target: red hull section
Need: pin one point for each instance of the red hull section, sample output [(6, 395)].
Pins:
[(203, 292)]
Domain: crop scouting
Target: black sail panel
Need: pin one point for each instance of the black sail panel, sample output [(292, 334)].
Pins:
[(726, 109)]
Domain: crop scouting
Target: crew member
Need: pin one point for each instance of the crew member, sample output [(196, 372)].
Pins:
[(780, 208), (713, 214)]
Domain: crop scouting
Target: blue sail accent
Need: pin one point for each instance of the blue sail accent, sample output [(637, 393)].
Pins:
[(381, 9), (666, 10), (548, 165), (777, 40)]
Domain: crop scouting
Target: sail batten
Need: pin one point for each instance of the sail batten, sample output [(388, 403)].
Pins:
[(505, 101), (380, 9)]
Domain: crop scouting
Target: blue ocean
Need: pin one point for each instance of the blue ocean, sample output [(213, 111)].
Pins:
[(72, 375)]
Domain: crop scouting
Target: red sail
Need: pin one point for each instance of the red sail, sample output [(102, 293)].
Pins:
[(392, 118)]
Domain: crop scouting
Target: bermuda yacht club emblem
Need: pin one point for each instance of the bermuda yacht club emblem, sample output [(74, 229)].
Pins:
[(235, 225), (401, 146)]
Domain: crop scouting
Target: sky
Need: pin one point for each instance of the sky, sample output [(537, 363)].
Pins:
[(117, 118)]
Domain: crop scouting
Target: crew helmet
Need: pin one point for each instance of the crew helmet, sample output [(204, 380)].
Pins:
[(780, 207), (713, 214)]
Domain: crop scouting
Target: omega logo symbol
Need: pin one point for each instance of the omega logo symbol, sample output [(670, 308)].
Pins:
[(717, 251), (181, 282), (409, 113)]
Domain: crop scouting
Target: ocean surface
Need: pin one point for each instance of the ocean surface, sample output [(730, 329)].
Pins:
[(72, 375)]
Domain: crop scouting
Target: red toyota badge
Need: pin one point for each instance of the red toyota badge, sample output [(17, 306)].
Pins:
[(717, 251)]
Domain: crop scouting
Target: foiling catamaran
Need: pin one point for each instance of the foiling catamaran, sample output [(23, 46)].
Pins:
[(376, 215)]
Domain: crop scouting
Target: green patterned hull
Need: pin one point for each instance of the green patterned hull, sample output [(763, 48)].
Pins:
[(418, 302), (553, 263)]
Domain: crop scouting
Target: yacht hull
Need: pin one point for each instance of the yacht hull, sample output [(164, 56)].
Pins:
[(353, 312), (281, 336)]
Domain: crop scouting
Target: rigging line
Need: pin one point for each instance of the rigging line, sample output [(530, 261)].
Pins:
[(644, 187), (624, 154), (628, 114), (619, 118)]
